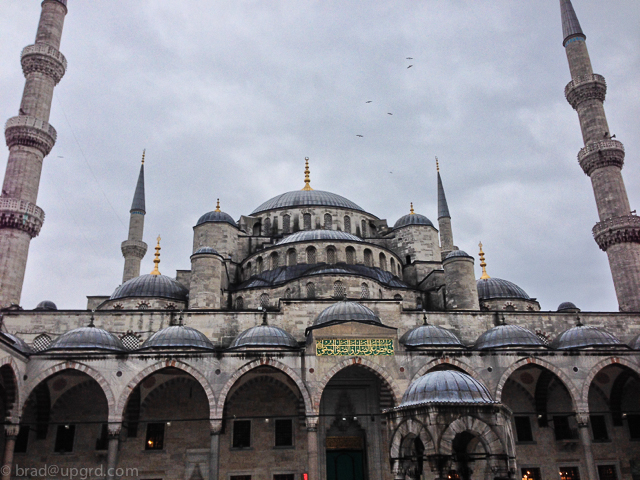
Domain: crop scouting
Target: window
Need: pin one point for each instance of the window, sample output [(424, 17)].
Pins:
[(368, 258), (284, 433), (364, 228), (347, 223), (607, 472), (241, 434), (102, 443), (267, 227), (397, 297), (599, 428), (264, 300), (383, 261), (562, 429), (531, 474), (130, 341), (239, 477), (569, 473), (41, 342), (143, 306), (292, 257), (259, 265), (155, 436), (22, 440), (306, 221), (523, 429), (287, 293), (311, 290), (284, 476), (247, 274), (338, 289), (331, 255), (239, 303), (311, 255), (328, 221), (64, 438), (634, 426), (364, 291), (286, 224), (256, 229), (275, 260), (392, 262), (351, 256)]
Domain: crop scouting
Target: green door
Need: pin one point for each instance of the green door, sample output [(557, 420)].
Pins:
[(344, 465)]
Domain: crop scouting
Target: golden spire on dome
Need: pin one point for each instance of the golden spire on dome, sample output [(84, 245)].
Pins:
[(411, 211), (483, 264), (218, 206), (307, 180), (437, 165), (157, 259), (143, 154)]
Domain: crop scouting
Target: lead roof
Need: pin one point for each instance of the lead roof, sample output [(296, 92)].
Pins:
[(151, 286), (306, 198), (316, 235), (446, 386)]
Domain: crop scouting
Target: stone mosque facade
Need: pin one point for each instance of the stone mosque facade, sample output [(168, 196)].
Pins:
[(311, 340)]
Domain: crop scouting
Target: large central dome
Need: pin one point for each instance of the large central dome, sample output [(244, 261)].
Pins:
[(306, 198)]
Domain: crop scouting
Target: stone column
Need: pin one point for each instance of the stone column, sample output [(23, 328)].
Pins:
[(585, 439), (10, 433), (214, 449), (112, 452), (312, 448)]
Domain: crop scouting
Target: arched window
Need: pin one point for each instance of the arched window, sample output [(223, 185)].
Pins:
[(368, 258), (130, 341), (143, 306), (287, 293), (383, 261), (380, 294), (397, 296), (267, 227), (306, 221), (331, 255), (259, 265), (364, 291), (247, 271), (408, 259), (256, 229), (418, 303), (239, 303), (41, 342), (286, 224), (292, 257), (264, 301), (392, 262), (311, 255), (275, 260), (351, 256), (364, 228), (311, 290), (328, 221), (347, 223), (338, 289)]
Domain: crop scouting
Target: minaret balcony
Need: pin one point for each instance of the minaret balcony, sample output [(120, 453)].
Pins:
[(601, 154), (586, 87), (21, 215), (133, 248), (625, 229), (44, 59), (30, 132)]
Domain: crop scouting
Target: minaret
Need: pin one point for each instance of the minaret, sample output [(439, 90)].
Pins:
[(444, 219), (134, 249), (30, 138), (618, 231)]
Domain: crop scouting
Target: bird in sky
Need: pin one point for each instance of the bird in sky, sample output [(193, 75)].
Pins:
[(389, 113), (359, 136), (409, 58), (368, 101), (410, 66)]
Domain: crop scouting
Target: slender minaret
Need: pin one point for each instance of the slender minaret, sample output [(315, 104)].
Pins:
[(30, 138), (618, 231), (444, 219), (134, 249)]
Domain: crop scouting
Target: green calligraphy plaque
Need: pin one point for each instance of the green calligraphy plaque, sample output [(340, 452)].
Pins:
[(354, 346)]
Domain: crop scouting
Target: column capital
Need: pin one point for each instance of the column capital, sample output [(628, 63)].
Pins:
[(114, 430), (312, 423), (582, 418), (11, 430), (215, 426)]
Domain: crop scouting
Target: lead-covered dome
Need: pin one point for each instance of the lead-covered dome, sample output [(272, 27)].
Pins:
[(412, 219), (19, 343), (264, 336), (217, 217), (178, 336), (430, 336), (497, 288), (583, 336), (46, 305), (446, 386), (151, 286), (346, 311), (568, 307), (318, 235), (508, 336), (458, 253), (87, 338), (306, 198)]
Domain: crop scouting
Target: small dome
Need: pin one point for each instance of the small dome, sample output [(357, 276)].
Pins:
[(568, 307), (19, 343), (497, 288), (151, 286), (306, 198), (458, 253), (430, 336), (177, 336), (315, 235), (412, 219), (209, 250), (508, 336), (87, 338), (46, 305), (217, 217), (264, 336), (346, 311), (583, 336), (446, 386)]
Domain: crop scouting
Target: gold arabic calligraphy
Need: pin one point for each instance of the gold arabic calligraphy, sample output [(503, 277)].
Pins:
[(351, 346)]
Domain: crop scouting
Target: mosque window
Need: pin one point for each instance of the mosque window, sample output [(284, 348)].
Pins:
[(264, 300), (607, 472), (275, 260), (562, 429), (347, 223), (41, 342), (599, 428), (241, 434), (392, 262), (284, 432), (306, 221), (287, 293), (239, 303), (331, 255), (143, 306), (339, 290), (531, 474), (248, 271), (383, 261), (523, 429), (311, 290), (569, 473), (118, 306), (259, 265), (368, 258), (64, 438), (239, 477), (397, 297), (364, 291), (155, 436), (328, 221), (292, 257), (22, 440), (633, 421), (380, 294), (267, 227), (311, 255), (284, 476), (364, 228), (256, 229), (509, 307), (130, 341), (170, 306), (351, 256), (286, 224)]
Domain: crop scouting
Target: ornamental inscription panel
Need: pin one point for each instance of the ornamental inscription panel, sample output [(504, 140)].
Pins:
[(354, 346)]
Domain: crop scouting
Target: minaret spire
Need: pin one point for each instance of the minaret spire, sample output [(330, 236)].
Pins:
[(307, 179), (444, 218), (30, 138), (602, 158), (134, 249)]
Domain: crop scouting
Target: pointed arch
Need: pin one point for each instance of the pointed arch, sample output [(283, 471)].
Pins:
[(13, 412), (363, 362), (415, 427), (468, 369), (222, 397), (97, 376), (584, 398), (200, 378), (477, 427)]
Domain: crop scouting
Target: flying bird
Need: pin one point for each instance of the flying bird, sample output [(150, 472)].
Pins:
[(368, 101), (409, 58), (410, 66), (389, 113), (359, 136)]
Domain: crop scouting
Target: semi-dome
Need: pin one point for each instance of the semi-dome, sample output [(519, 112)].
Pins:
[(87, 338), (46, 305), (318, 235), (346, 311), (491, 288), (265, 336), (568, 307), (216, 217), (458, 253), (446, 386), (151, 286), (306, 198), (177, 336), (207, 250), (430, 336), (412, 219), (583, 336), (19, 343), (508, 336)]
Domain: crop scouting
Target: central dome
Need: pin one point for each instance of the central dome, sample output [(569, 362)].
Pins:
[(306, 198)]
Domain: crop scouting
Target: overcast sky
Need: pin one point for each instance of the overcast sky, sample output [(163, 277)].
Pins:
[(228, 97)]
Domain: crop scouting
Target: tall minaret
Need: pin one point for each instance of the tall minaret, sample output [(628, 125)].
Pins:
[(618, 231), (134, 249), (444, 219), (30, 138)]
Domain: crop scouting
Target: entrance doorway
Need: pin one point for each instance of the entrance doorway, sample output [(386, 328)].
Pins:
[(345, 465)]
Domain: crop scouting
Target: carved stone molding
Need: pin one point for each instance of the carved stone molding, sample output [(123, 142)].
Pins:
[(601, 154), (21, 215), (113, 430), (133, 248), (215, 426), (312, 423), (43, 59), (616, 230), (11, 430), (30, 132), (588, 87)]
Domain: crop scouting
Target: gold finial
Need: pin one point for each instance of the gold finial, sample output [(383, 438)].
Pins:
[(157, 259), (143, 154), (483, 264), (218, 206), (437, 165), (307, 180), (412, 212)]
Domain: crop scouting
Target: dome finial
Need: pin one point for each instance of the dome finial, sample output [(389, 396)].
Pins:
[(157, 259), (307, 180), (143, 154), (579, 321), (411, 211), (218, 206), (91, 321), (437, 165), (264, 317), (424, 317), (483, 264)]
